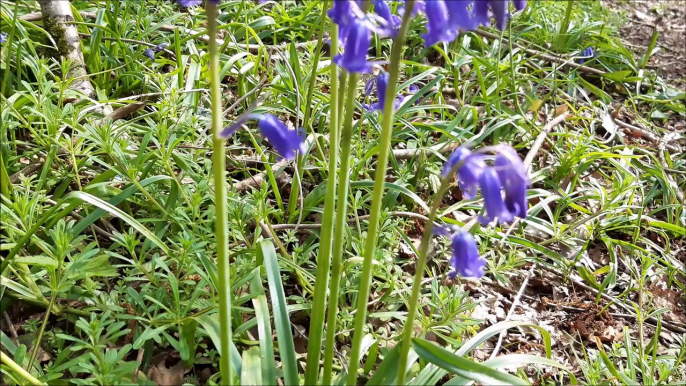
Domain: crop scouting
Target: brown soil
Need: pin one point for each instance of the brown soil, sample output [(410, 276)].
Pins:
[(669, 17)]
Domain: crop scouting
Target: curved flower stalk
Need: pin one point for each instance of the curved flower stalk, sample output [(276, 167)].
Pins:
[(505, 173)]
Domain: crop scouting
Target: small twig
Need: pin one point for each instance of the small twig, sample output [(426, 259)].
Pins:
[(139, 359), (10, 326), (541, 138), (133, 41), (283, 227), (27, 171), (512, 309), (648, 136)]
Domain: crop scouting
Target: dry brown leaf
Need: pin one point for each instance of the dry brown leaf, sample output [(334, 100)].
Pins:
[(166, 376)]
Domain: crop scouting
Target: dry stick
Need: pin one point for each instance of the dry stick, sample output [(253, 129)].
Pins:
[(57, 15), (133, 41), (527, 163), (648, 136), (282, 227)]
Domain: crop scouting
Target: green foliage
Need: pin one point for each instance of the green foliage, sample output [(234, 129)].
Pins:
[(108, 224)]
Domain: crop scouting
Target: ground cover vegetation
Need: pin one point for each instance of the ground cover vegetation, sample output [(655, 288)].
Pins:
[(339, 192)]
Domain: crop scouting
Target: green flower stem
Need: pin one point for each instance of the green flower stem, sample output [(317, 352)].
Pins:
[(295, 190), (339, 229), (221, 219), (314, 345), (12, 365), (417, 283), (377, 196)]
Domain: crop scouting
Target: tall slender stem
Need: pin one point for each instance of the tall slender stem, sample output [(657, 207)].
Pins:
[(295, 190), (7, 361), (377, 196), (314, 345), (339, 229), (221, 219), (408, 328)]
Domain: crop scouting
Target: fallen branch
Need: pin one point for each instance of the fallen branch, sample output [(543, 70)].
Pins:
[(57, 17), (634, 131)]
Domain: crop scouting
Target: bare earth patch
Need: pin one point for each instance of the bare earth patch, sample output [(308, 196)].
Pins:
[(669, 17)]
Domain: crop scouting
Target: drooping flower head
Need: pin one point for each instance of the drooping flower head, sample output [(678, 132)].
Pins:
[(3, 37), (437, 26), (354, 56), (381, 87), (286, 142), (390, 23), (506, 174), (190, 3), (466, 261), (588, 53), (149, 53)]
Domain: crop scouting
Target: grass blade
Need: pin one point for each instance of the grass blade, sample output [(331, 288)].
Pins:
[(284, 335)]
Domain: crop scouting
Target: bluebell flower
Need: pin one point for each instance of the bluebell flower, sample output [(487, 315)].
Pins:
[(519, 4), (149, 53), (512, 174), (493, 199), (161, 47), (507, 174), (190, 3), (588, 53), (3, 37), (354, 57), (460, 16), (481, 13), (500, 12), (466, 261), (413, 89), (391, 23), (381, 86), (441, 230), (469, 172), (437, 26), (286, 142)]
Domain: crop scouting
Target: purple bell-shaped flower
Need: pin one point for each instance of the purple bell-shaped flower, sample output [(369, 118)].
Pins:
[(493, 200), (354, 58), (466, 261), (437, 26)]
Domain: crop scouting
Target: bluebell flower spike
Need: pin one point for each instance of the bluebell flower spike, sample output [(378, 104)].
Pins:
[(437, 26), (286, 142), (354, 56), (391, 23), (496, 211), (466, 261)]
